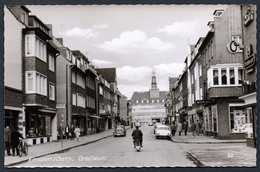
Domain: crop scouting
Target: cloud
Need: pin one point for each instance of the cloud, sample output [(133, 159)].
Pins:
[(133, 74), (88, 33), (169, 70), (133, 41), (101, 63), (179, 28), (133, 79)]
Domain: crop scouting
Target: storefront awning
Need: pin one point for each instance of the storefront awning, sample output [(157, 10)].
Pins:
[(76, 114), (94, 116)]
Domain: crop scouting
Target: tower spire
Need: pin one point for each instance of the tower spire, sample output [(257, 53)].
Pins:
[(153, 84)]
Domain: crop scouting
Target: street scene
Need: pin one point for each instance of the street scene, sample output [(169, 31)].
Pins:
[(130, 86), (183, 151)]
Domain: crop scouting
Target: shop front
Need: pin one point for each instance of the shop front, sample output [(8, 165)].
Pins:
[(39, 125), (81, 122)]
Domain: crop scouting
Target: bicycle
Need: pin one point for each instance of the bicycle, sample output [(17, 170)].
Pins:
[(23, 148)]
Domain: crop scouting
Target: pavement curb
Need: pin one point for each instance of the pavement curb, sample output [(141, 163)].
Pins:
[(58, 151), (207, 142)]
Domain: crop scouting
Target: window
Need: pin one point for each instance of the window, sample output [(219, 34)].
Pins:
[(163, 100), (152, 101), (136, 101), (215, 76), (240, 76), (224, 76), (74, 99), (51, 91), (192, 81), (51, 63), (158, 101), (201, 93), (232, 76), (80, 80), (237, 118), (34, 46), (80, 100), (101, 90), (36, 83), (73, 77), (30, 39), (200, 70)]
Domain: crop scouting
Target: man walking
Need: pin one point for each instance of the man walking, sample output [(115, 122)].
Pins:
[(7, 139), (15, 141), (185, 127), (197, 125)]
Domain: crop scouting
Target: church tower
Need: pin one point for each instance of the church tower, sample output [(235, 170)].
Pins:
[(154, 91)]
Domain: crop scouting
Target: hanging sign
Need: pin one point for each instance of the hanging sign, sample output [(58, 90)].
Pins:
[(250, 60)]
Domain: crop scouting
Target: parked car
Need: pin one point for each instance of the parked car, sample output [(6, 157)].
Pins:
[(155, 126), (150, 124), (120, 131), (163, 131)]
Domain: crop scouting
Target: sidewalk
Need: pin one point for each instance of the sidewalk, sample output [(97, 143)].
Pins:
[(40, 150), (201, 139)]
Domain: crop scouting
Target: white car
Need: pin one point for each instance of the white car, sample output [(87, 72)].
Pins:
[(155, 126), (163, 131)]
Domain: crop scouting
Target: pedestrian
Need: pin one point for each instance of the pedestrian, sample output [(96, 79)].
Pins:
[(67, 131), (173, 128), (193, 128), (77, 132), (7, 139), (197, 125), (179, 128), (60, 131), (185, 127), (72, 134), (15, 140)]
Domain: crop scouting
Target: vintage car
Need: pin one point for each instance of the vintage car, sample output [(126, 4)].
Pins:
[(163, 131), (120, 131)]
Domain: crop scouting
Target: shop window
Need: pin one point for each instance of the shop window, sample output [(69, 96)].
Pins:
[(237, 119)]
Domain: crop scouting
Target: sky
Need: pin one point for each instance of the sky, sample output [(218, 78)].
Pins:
[(137, 40)]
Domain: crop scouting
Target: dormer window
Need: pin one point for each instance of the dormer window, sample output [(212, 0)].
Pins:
[(218, 13)]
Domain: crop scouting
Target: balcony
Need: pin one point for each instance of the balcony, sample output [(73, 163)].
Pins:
[(214, 92)]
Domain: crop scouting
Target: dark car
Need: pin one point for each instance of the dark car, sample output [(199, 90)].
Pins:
[(120, 131)]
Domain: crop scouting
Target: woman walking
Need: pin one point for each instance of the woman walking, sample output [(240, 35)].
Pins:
[(77, 132)]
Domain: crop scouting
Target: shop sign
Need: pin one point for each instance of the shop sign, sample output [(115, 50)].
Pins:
[(250, 60), (249, 16)]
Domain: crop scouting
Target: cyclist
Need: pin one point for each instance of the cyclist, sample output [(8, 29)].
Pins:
[(137, 134)]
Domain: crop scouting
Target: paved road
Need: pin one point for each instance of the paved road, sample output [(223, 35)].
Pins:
[(118, 152)]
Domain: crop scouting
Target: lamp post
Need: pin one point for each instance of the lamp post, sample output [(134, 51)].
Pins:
[(61, 129)]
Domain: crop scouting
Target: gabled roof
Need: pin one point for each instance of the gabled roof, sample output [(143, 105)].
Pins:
[(146, 95), (108, 73)]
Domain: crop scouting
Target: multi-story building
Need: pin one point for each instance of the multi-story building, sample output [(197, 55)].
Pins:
[(123, 109), (35, 59), (214, 70), (15, 20), (248, 13), (109, 104), (149, 105)]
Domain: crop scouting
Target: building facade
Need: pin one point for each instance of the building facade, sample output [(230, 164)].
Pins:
[(248, 13), (220, 71), (148, 106)]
